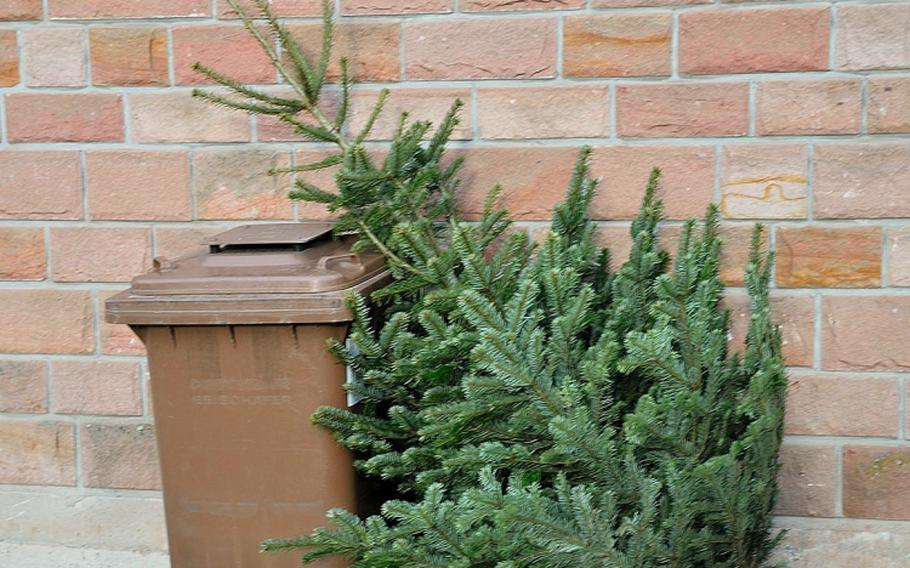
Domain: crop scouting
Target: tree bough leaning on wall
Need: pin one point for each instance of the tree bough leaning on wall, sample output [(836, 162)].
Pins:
[(530, 407)]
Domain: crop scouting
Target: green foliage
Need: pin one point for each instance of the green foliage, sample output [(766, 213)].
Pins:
[(531, 407)]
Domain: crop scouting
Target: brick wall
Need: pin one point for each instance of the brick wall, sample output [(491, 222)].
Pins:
[(795, 113)]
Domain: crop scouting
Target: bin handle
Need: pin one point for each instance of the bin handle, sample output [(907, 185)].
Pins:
[(324, 261)]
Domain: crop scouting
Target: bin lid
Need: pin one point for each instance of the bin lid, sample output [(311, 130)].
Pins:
[(264, 267)]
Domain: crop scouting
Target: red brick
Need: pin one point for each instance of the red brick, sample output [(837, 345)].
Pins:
[(861, 180), (324, 179), (618, 240), (829, 257), (29, 189), (138, 185), (99, 254), (617, 45), (504, 48), (231, 50), (837, 405), (82, 117), (888, 110), (14, 10), (873, 36), (762, 181), (271, 129), (119, 456), (734, 254), (807, 480), (751, 40), (899, 256), (518, 5), (382, 7), (9, 58), (372, 48), (46, 321), (234, 184), (876, 482), (37, 453), (96, 387), (54, 57), (420, 104), (544, 112), (23, 386), (129, 56), (178, 118), (176, 242), (865, 333), (794, 314), (642, 3), (117, 339), (22, 254), (682, 109), (122, 9), (282, 8), (808, 107)]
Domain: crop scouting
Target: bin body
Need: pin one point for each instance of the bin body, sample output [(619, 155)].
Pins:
[(236, 374)]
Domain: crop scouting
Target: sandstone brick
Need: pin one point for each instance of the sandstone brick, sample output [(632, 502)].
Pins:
[(761, 181), (323, 179), (873, 36), (234, 184), (119, 456), (14, 10), (807, 480), (178, 118), (899, 256), (9, 58), (865, 333), (846, 544), (99, 254), (46, 321), (129, 56), (64, 117), (861, 180), (618, 239), (644, 3), (617, 45), (117, 339), (124, 9), (281, 8), (383, 7), (23, 386), (808, 107), (54, 57), (836, 257), (504, 48), (876, 482), (176, 242), (420, 104), (887, 109), (794, 314), (518, 5), (682, 109), (543, 112), (837, 405), (37, 453), (734, 254), (231, 50), (138, 185), (30, 189), (96, 387), (272, 129), (22, 254), (746, 41), (372, 48)]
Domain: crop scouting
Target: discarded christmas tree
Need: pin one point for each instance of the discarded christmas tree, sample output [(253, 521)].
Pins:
[(533, 408)]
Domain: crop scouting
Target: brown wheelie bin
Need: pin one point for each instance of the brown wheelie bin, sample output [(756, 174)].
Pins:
[(236, 341)]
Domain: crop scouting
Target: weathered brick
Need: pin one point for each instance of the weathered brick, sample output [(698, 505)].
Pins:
[(54, 57), (281, 8), (807, 480), (829, 257), (888, 110), (129, 56), (231, 50), (15, 10), (323, 179), (178, 118), (837, 405), (99, 254), (543, 112), (64, 117), (138, 185), (382, 7), (96, 387), (808, 107), (762, 181), (119, 456), (176, 242), (272, 129), (9, 58), (734, 255), (617, 45), (46, 321), (642, 3), (750, 40), (37, 453), (682, 109), (22, 254), (234, 184), (618, 239), (124, 9), (876, 482), (116, 338), (420, 104), (372, 48), (23, 386), (861, 180), (899, 256), (865, 333), (794, 314), (29, 189), (873, 36), (504, 48), (518, 5)]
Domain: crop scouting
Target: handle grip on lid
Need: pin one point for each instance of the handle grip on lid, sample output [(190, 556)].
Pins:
[(324, 261)]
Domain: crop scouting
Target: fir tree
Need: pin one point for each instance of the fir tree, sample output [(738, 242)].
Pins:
[(532, 408)]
